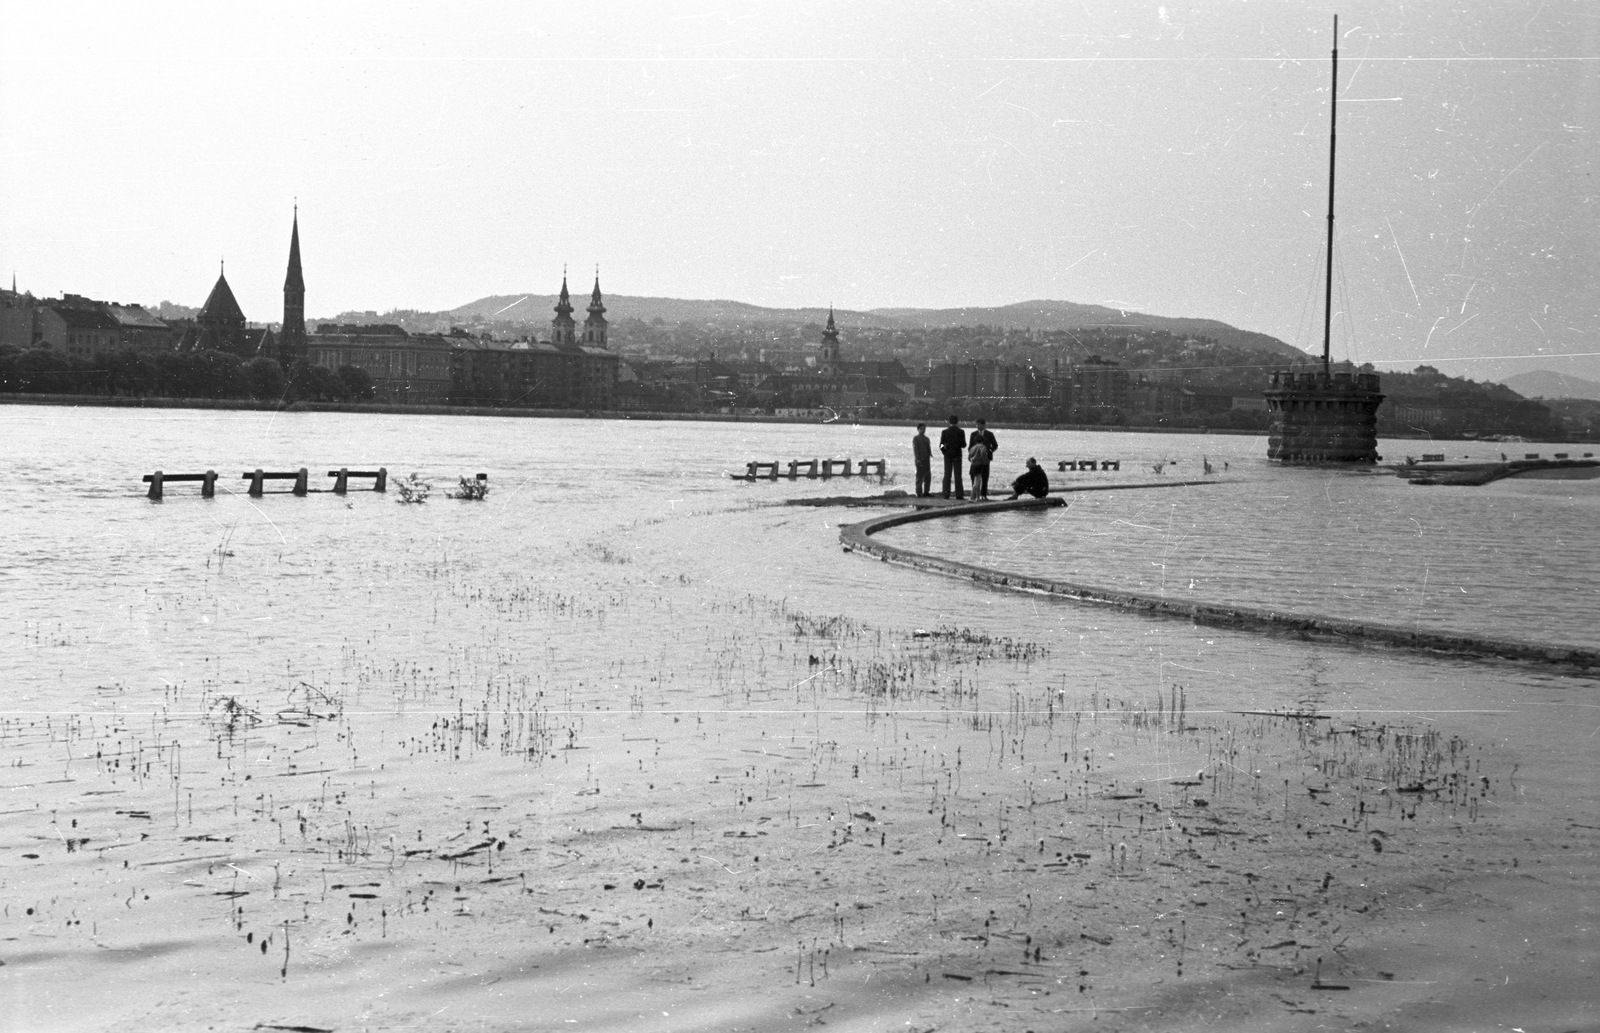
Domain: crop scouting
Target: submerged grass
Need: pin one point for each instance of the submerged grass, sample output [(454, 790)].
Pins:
[(767, 797)]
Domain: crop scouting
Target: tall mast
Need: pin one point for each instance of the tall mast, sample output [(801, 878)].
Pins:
[(1333, 141)]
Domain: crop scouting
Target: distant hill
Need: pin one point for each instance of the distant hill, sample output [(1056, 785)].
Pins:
[(1068, 315), (1037, 315), (1544, 383), (537, 308)]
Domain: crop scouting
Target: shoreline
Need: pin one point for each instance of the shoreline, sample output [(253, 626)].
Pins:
[(397, 409)]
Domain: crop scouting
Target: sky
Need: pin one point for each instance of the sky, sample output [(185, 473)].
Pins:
[(1166, 158)]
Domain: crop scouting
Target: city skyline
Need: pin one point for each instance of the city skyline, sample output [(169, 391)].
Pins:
[(1171, 161)]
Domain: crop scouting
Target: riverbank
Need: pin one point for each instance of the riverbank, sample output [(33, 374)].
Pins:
[(252, 405), (395, 408)]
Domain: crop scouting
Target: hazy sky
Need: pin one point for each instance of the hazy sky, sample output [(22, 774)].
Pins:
[(1166, 158)]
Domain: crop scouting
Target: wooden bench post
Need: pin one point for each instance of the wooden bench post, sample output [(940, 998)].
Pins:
[(208, 487), (257, 482), (155, 485), (341, 482), (300, 479), (383, 480)]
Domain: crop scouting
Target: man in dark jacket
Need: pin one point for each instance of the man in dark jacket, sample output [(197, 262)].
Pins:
[(1033, 481), (953, 443), (922, 452)]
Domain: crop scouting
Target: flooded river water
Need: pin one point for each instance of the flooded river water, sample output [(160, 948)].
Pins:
[(628, 745)]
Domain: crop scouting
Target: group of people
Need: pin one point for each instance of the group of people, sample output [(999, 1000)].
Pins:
[(978, 451)]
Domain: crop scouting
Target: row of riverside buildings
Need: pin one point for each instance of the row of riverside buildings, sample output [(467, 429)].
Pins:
[(571, 367), (1074, 390)]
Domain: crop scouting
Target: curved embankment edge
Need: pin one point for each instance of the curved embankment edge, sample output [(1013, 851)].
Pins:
[(858, 538)]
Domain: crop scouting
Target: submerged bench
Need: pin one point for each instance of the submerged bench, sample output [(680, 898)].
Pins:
[(808, 468), (257, 479), (380, 478), (208, 482), (1089, 464)]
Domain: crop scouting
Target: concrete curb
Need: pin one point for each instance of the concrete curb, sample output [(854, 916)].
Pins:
[(857, 538)]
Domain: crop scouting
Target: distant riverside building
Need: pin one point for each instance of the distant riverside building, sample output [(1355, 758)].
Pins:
[(1414, 416), (1098, 384), (79, 333), (404, 367), (836, 383), (558, 373), (139, 331), (16, 318), (988, 379), (79, 326)]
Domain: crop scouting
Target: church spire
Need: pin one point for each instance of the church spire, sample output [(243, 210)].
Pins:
[(594, 328), (562, 329), (294, 281), (292, 342), (828, 351)]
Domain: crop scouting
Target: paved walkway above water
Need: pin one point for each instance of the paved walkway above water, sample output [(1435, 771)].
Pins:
[(858, 538), (900, 498)]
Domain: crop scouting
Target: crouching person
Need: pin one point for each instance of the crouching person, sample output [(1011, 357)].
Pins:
[(1032, 482)]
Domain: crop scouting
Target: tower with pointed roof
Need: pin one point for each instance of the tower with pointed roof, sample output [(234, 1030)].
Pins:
[(828, 351), (292, 342), (220, 326), (563, 331), (594, 328)]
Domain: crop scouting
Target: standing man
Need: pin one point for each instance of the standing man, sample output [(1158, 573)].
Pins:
[(981, 458), (953, 443), (922, 452)]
